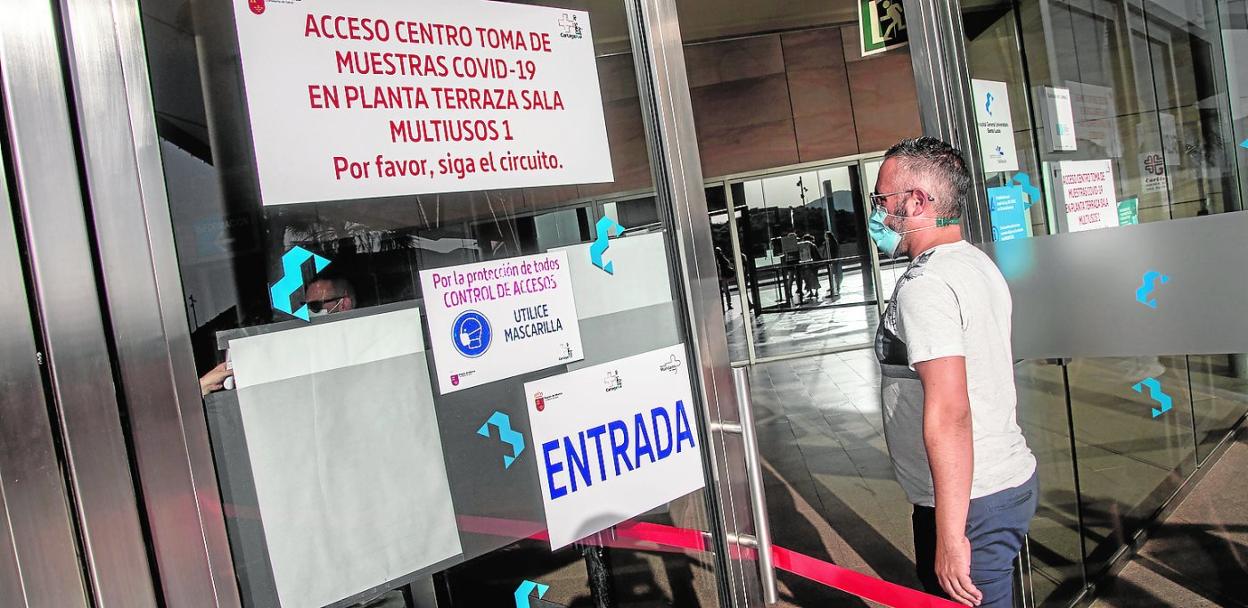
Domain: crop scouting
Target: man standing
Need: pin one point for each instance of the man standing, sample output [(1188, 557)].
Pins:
[(947, 382)]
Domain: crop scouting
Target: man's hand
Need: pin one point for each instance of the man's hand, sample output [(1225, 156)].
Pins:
[(214, 380), (953, 569)]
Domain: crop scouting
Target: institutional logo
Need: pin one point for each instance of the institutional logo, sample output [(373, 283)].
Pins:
[(671, 365), (256, 6), (571, 27), (471, 334), (539, 401), (613, 381)]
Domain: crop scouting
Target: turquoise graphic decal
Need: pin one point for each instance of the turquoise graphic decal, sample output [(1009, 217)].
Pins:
[(1155, 393), (506, 435), (292, 280), (1022, 180), (525, 590), (604, 227), (1151, 279)]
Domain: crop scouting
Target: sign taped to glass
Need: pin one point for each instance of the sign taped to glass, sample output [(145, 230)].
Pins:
[(614, 441), (405, 98), (497, 319), (1088, 194)]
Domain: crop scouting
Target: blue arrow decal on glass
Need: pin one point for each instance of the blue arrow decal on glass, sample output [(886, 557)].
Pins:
[(1022, 180), (1151, 279), (1154, 392), (526, 589), (604, 227), (505, 434), (292, 279), (1243, 144)]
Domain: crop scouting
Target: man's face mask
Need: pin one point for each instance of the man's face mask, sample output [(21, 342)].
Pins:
[(887, 239)]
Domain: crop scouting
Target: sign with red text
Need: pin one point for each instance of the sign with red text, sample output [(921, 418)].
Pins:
[(1088, 194), (614, 441), (377, 98), (499, 319)]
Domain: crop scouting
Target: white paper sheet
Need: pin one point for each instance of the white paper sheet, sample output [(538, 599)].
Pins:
[(345, 452)]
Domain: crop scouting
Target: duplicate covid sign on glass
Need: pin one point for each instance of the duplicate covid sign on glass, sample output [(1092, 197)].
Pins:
[(377, 98)]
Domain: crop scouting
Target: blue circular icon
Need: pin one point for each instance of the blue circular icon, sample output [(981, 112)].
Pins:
[(471, 334)]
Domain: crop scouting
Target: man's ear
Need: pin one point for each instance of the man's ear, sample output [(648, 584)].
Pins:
[(922, 199)]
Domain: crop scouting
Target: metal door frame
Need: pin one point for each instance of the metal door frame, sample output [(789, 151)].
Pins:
[(35, 520), (71, 334)]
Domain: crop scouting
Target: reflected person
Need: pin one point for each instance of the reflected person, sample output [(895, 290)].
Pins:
[(947, 382), (323, 296)]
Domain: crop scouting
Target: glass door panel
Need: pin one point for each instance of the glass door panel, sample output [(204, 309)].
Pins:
[(806, 261), (471, 469)]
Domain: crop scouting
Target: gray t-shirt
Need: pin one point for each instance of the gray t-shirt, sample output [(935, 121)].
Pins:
[(952, 302)]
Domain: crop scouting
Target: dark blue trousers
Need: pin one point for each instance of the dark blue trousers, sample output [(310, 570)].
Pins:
[(995, 525)]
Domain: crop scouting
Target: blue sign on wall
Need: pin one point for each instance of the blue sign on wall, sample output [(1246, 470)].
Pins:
[(1008, 210)]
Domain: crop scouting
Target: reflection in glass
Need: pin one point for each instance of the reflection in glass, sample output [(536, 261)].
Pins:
[(1130, 461), (1054, 540), (806, 258), (1219, 397)]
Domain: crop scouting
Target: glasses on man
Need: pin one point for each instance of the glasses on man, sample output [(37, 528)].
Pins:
[(332, 303), (877, 199)]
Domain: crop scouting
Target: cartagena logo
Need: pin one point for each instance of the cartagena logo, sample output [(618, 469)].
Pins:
[(565, 351), (471, 334), (613, 381), (671, 365), (571, 27)]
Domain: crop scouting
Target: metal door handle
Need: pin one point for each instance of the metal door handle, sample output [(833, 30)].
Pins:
[(761, 540)]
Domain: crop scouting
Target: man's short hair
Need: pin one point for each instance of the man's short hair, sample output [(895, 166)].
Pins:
[(937, 167)]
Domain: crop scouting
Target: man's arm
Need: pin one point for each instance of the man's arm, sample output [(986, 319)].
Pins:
[(950, 454)]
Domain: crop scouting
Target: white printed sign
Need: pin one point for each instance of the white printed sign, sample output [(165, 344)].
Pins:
[(996, 127), (1059, 120), (1097, 114), (614, 441), (1088, 194), (395, 97), (494, 320)]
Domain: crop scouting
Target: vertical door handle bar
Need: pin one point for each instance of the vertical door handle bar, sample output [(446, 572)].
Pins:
[(754, 472)]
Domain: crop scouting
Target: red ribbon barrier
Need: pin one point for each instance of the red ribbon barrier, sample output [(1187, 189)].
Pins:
[(645, 536)]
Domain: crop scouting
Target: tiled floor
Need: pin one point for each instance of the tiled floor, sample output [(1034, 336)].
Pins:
[(829, 484)]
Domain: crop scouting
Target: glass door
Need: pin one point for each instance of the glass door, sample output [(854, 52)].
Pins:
[(806, 261), (442, 373)]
